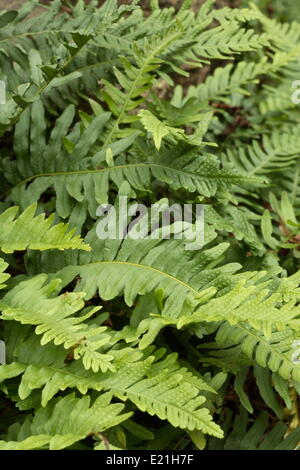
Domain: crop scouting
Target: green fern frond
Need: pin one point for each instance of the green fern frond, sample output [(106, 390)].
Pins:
[(66, 421), (35, 232), (79, 172), (263, 308), (154, 386), (3, 276), (229, 79), (238, 437), (168, 106), (276, 152), (54, 320)]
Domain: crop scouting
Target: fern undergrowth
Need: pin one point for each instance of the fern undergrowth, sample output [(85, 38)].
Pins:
[(144, 344)]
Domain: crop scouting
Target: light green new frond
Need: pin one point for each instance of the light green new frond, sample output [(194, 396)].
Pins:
[(205, 38), (289, 180), (31, 303), (30, 443), (274, 153), (35, 232), (137, 267), (68, 420)]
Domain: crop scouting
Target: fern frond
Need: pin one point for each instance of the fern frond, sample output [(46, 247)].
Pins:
[(136, 81), (275, 153), (153, 385), (238, 437), (229, 79), (35, 232), (262, 307), (147, 269), (158, 129), (66, 421), (176, 402), (275, 353), (80, 174), (290, 182), (54, 320), (161, 106)]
